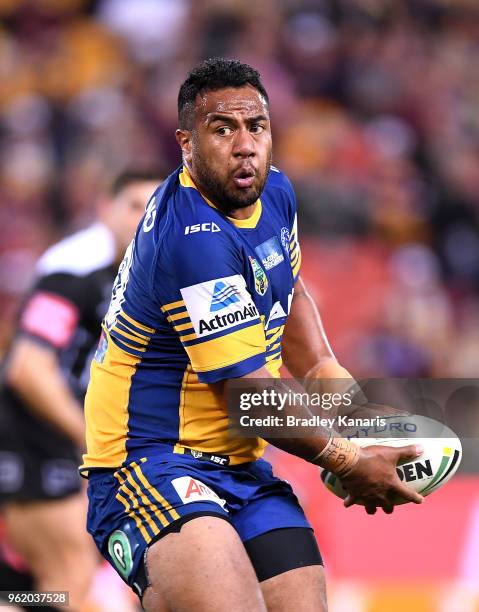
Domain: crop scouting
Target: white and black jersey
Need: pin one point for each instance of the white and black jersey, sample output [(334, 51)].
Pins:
[(70, 298), (63, 311)]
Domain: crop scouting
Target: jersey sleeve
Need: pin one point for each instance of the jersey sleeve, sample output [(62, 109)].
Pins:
[(51, 312), (294, 248), (287, 197), (205, 298)]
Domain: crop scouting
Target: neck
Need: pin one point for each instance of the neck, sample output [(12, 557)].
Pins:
[(242, 213)]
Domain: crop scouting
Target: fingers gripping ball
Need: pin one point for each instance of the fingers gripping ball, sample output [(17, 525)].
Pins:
[(437, 465)]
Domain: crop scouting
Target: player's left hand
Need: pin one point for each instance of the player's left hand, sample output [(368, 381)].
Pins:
[(373, 481)]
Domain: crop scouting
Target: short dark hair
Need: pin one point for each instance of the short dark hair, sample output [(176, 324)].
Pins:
[(213, 74), (135, 175)]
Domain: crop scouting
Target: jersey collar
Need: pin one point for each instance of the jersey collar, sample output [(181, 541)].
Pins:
[(250, 223)]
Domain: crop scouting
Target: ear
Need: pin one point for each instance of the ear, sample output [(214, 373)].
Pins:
[(183, 138)]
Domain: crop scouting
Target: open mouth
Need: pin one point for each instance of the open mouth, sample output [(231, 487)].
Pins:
[(244, 177)]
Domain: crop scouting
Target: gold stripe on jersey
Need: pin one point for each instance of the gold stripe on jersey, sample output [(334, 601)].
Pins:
[(273, 365), (172, 306), (188, 337), (228, 349), (272, 349), (273, 330), (204, 422), (153, 491), (138, 339), (140, 349), (131, 514), (294, 249), (178, 315), (131, 329), (272, 335), (184, 326), (181, 407), (131, 320), (297, 266), (274, 361), (107, 428)]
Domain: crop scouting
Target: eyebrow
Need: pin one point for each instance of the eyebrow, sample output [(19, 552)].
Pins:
[(228, 119)]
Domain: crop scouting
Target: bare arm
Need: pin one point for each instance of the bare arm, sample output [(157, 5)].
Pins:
[(33, 372), (304, 341), (306, 350)]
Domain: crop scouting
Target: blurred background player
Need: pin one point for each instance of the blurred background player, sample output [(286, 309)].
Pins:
[(45, 376)]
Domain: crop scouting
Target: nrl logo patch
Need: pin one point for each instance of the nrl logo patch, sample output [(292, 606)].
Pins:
[(120, 552), (260, 278)]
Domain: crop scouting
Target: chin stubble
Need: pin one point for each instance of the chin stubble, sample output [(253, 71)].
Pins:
[(213, 189)]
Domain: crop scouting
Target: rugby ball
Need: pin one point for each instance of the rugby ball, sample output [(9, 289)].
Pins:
[(437, 465)]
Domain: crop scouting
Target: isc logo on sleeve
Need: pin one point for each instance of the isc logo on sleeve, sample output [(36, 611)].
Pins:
[(219, 304), (201, 227), (192, 490)]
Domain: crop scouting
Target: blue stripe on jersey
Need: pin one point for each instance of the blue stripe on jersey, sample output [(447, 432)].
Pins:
[(185, 319), (274, 355), (176, 310), (128, 336), (151, 418), (134, 328), (234, 371), (274, 345), (125, 347)]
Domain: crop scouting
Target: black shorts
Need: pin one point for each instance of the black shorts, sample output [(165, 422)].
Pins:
[(37, 462)]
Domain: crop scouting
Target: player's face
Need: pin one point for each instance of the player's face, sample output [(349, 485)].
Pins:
[(128, 208), (229, 153)]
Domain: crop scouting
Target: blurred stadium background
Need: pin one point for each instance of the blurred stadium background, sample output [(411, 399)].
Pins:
[(375, 107)]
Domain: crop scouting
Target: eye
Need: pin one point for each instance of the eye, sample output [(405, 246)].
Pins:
[(257, 128), (224, 130)]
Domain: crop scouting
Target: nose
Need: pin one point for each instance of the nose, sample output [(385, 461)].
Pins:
[(244, 144)]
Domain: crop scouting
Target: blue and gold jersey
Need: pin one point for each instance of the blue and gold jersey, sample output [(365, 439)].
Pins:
[(199, 298)]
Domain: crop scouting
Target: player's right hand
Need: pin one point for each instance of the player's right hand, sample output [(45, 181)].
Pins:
[(374, 482)]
